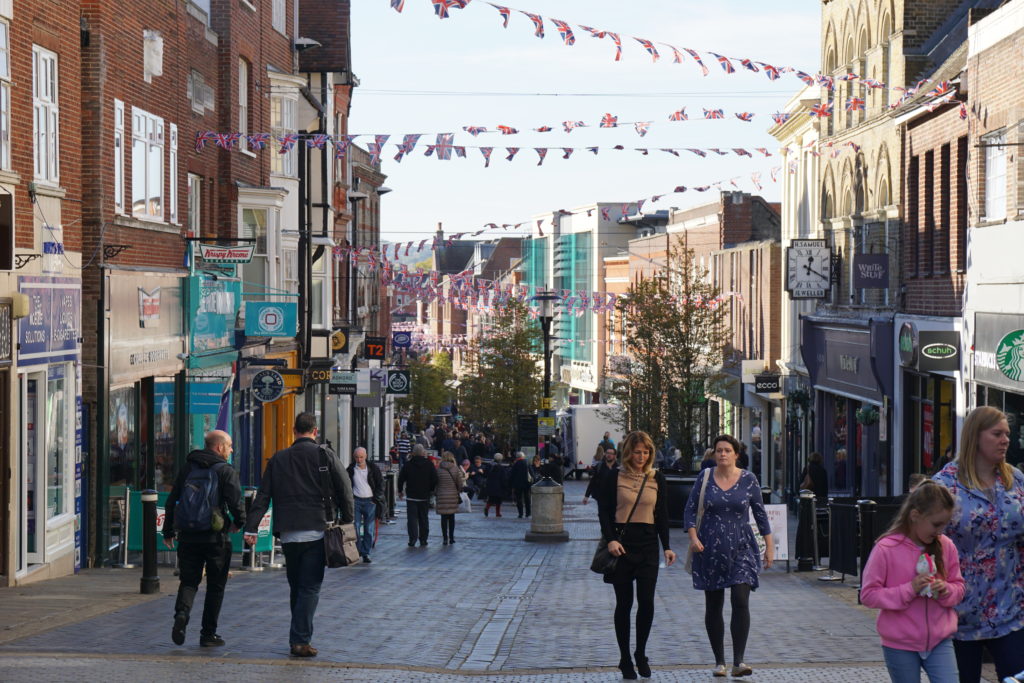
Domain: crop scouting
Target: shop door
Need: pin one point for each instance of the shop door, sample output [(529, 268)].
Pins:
[(5, 465), (31, 485)]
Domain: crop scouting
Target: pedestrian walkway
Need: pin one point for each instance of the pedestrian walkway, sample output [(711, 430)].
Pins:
[(490, 607)]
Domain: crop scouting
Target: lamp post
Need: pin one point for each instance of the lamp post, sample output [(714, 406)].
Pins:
[(547, 313)]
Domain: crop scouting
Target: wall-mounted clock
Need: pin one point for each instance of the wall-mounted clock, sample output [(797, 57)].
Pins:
[(808, 269)]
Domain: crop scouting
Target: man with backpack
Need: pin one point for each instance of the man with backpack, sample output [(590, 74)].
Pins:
[(204, 494)]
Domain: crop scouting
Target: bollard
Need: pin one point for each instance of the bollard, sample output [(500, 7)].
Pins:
[(546, 499), (150, 581), (806, 533), (249, 551), (831, 576)]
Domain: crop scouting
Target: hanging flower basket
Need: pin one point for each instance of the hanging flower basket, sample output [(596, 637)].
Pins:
[(867, 416), (800, 398)]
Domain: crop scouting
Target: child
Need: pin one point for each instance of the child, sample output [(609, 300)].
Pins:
[(910, 562)]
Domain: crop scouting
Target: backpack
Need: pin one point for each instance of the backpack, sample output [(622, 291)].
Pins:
[(198, 507)]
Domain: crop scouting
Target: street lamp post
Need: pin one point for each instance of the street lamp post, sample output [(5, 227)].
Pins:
[(547, 313)]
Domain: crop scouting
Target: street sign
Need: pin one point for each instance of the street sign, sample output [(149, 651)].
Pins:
[(399, 382), (375, 348), (267, 385), (545, 426), (339, 340), (271, 319), (545, 403)]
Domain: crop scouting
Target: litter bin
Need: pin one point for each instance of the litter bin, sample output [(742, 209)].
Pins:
[(546, 500), (679, 487)]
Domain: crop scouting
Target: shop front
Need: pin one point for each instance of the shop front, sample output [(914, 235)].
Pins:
[(49, 428), (926, 418), (142, 431), (7, 447), (998, 372), (850, 367)]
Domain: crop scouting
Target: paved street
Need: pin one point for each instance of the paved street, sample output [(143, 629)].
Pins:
[(491, 607)]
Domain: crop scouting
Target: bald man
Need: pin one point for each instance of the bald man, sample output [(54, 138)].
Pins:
[(368, 491), (203, 544)]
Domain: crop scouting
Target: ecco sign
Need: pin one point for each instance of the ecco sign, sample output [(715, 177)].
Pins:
[(766, 384)]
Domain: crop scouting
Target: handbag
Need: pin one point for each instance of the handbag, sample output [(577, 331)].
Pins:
[(688, 565), (340, 548), (465, 505), (604, 562)]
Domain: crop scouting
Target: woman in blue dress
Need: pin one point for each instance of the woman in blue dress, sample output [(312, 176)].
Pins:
[(725, 550)]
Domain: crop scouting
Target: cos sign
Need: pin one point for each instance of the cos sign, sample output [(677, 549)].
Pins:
[(766, 384)]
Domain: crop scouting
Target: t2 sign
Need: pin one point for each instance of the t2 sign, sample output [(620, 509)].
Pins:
[(375, 348)]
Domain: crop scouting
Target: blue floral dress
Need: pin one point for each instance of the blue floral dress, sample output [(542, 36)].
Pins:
[(989, 536), (730, 554)]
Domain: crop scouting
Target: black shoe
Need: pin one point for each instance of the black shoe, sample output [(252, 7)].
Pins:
[(211, 641), (444, 542), (412, 544), (643, 665), (178, 630), (451, 541), (626, 667), (366, 559), (423, 544)]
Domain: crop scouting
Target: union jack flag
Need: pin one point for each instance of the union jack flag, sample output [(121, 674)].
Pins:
[(643, 150), (441, 7), (756, 179), (606, 213), (505, 13), (670, 151), (625, 210), (564, 31), (703, 188), (727, 66), (408, 144), (963, 111), (772, 72), (541, 153), (655, 198), (443, 145), (408, 246), (774, 172), (429, 152), (317, 141), (538, 23), (940, 89), (593, 149), (287, 141), (745, 116), (714, 114), (696, 58), (677, 56), (460, 151), (375, 149), (567, 152), (202, 137), (872, 83), (826, 82), (780, 117), (641, 127), (854, 146), (618, 147), (474, 130), (569, 125), (507, 130), (225, 140), (640, 205), (678, 115), (854, 104), (749, 65), (341, 145), (618, 44), (822, 109), (699, 152), (763, 151), (805, 77), (679, 189), (512, 151), (649, 46), (939, 101), (398, 5), (609, 121), (258, 140), (717, 151), (592, 31), (543, 129), (740, 152)]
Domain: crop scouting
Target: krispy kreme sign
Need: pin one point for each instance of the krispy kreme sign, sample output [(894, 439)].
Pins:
[(214, 253)]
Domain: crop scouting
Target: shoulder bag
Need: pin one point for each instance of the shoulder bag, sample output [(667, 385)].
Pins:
[(339, 539), (688, 565), (604, 562)]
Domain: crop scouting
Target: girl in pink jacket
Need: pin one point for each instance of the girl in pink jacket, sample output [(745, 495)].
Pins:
[(913, 576)]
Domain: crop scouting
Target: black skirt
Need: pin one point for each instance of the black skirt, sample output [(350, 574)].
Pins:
[(643, 554)]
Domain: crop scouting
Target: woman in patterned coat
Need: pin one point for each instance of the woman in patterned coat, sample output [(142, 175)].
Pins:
[(725, 550)]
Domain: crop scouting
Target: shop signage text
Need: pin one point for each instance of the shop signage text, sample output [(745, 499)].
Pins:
[(375, 348), (399, 382), (267, 385), (54, 323), (766, 384), (871, 271), (213, 253), (1010, 355), (939, 351), (908, 344), (343, 382), (271, 319)]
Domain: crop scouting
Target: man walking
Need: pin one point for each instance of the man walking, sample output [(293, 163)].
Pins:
[(608, 464), (520, 480), (368, 491), (404, 447), (419, 479), (197, 509), (306, 484)]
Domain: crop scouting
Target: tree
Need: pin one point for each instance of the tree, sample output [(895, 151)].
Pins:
[(503, 378), (675, 339), (428, 393)]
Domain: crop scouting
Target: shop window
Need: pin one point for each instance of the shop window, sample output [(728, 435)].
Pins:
[(995, 176), (254, 226), (195, 205), (163, 435), (243, 103), (125, 469), (839, 437), (58, 448), (913, 213), (942, 230), (45, 114)]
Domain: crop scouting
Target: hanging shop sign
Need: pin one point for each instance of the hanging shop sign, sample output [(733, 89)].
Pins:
[(908, 344), (212, 307), (145, 333), (343, 382), (871, 271), (375, 348), (271, 319), (339, 340), (399, 382), (939, 351), (215, 253), (267, 385), (999, 350), (401, 340), (767, 384)]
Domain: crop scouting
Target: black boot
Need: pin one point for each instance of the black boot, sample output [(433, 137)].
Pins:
[(626, 667), (643, 665)]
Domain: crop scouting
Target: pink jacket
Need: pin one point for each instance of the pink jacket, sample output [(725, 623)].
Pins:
[(909, 621)]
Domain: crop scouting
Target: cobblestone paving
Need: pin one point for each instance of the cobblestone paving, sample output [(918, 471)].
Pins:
[(490, 607)]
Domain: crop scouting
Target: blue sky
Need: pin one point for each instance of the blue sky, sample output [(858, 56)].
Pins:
[(472, 59)]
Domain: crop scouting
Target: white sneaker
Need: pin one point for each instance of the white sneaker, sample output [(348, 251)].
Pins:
[(741, 669), (719, 671)]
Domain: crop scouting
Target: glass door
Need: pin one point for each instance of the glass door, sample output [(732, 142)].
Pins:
[(31, 489)]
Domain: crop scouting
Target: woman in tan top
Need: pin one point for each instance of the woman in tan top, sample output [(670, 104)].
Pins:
[(638, 551)]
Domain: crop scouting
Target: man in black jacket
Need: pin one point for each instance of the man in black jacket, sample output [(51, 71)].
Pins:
[(209, 548), (296, 479), (608, 464), (419, 479)]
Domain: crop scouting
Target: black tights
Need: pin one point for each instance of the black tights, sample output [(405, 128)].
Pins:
[(739, 625), (644, 614), (448, 527)]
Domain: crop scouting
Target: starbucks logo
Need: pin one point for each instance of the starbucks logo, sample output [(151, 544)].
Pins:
[(1010, 355)]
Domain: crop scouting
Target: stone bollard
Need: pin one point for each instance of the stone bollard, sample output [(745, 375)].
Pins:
[(546, 498)]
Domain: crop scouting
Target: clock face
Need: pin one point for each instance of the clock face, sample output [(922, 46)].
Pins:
[(808, 269)]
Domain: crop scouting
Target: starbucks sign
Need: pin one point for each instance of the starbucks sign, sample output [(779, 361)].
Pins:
[(999, 350), (1010, 355)]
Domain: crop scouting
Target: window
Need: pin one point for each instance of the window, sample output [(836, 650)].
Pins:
[(913, 213), (942, 232), (254, 226), (278, 11), (961, 204), (5, 96), (58, 491), (204, 7), (118, 156), (147, 165), (282, 121), (995, 177), (291, 270), (243, 103), (195, 189), (173, 174), (316, 295), (45, 114), (926, 250)]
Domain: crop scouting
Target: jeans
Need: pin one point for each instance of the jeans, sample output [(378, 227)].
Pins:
[(1007, 652), (366, 515), (417, 523), (192, 558), (905, 665), (304, 565), (522, 497)]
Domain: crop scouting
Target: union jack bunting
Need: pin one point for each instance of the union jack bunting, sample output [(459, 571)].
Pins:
[(317, 140), (641, 127), (460, 151), (717, 151), (538, 23), (655, 198), (677, 56), (940, 89), (258, 140), (474, 130), (408, 144), (848, 77), (649, 46), (505, 13), (763, 151), (740, 152), (670, 151), (441, 7), (606, 213), (618, 44), (854, 146), (679, 189), (593, 149), (821, 110), (678, 115), (567, 152), (727, 66), (569, 125), (772, 72), (512, 151), (749, 65), (696, 58), (542, 152), (939, 101), (805, 77), (643, 150), (609, 121), (780, 117), (202, 137), (592, 31), (963, 111), (699, 152), (640, 205), (443, 145), (341, 145), (407, 248), (423, 243), (287, 141), (225, 140), (564, 31), (872, 83), (826, 82), (854, 104), (429, 152), (774, 172), (398, 5), (703, 188), (745, 116), (507, 130), (714, 114)]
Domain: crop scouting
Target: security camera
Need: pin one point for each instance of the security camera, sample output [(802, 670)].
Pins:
[(301, 44)]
